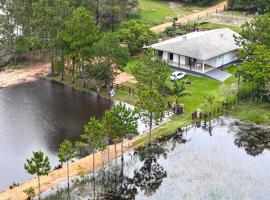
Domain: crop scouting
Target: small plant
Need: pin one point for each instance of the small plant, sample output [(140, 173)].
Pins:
[(14, 184), (30, 192)]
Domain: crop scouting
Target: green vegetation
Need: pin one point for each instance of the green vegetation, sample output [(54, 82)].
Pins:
[(135, 34), (39, 164), (155, 12), (211, 26), (66, 152), (255, 112), (250, 6)]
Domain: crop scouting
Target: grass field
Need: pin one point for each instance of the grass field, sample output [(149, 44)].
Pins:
[(211, 26), (155, 12)]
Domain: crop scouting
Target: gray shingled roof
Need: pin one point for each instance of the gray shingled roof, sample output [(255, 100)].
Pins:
[(201, 45)]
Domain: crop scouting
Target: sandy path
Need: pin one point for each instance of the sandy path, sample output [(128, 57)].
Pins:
[(14, 77), (184, 20), (57, 176), (124, 77)]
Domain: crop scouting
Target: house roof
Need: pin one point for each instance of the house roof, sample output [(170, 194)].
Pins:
[(201, 45)]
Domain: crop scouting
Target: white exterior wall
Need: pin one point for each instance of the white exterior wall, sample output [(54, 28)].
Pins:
[(211, 62), (230, 57), (165, 55), (175, 58), (222, 60), (182, 60)]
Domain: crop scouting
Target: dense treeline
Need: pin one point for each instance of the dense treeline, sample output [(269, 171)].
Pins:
[(78, 37), (250, 6), (35, 25)]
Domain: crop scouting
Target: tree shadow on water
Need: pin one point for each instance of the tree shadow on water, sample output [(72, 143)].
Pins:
[(253, 139)]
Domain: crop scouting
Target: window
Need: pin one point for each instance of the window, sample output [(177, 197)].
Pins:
[(171, 56)]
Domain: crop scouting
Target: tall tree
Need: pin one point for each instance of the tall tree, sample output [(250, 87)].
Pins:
[(38, 164), (135, 35), (151, 105), (120, 123), (151, 71), (80, 43), (256, 70), (49, 17), (66, 153), (109, 58), (93, 137)]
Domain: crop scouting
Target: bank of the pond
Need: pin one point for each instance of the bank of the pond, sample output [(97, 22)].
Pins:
[(256, 112), (11, 77), (55, 177)]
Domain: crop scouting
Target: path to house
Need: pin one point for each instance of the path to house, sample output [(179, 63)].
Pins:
[(218, 74), (124, 77), (184, 20), (17, 76)]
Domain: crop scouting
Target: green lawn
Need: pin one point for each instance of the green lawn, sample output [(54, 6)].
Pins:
[(155, 12), (132, 62), (255, 112), (211, 26)]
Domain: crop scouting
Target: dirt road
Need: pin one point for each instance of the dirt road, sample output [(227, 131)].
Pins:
[(17, 76), (184, 20)]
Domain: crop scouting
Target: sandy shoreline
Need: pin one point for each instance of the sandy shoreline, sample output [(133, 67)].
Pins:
[(10, 78), (56, 177)]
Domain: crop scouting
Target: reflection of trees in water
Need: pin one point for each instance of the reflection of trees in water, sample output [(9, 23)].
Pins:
[(254, 140), (150, 176), (147, 178)]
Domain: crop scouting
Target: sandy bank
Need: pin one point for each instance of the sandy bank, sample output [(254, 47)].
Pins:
[(57, 176), (13, 77)]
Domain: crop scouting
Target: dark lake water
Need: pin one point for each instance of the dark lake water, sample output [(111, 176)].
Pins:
[(39, 116), (231, 162)]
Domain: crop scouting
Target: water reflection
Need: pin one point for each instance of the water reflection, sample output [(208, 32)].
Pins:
[(254, 139), (188, 165)]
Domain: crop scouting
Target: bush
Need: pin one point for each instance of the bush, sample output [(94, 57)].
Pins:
[(256, 118)]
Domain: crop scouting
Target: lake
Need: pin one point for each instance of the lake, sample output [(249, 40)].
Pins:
[(40, 115)]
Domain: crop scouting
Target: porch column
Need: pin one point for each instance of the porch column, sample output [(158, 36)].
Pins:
[(203, 66)]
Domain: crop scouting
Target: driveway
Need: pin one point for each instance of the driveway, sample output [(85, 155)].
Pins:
[(218, 74)]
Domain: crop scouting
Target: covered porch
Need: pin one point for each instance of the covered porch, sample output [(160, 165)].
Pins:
[(196, 67)]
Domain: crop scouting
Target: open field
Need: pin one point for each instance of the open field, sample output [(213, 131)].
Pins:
[(155, 12), (211, 26)]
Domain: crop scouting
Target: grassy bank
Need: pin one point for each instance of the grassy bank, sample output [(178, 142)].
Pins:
[(155, 12), (253, 112), (211, 26)]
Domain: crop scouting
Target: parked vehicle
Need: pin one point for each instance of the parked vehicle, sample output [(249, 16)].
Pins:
[(177, 75)]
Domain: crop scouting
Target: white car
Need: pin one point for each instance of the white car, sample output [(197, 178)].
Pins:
[(177, 75)]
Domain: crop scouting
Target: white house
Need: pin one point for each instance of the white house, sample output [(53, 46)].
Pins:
[(200, 51)]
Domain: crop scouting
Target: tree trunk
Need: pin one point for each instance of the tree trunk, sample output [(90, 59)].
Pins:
[(63, 65), (115, 153), (150, 129), (53, 63), (97, 12), (68, 174), (39, 188), (73, 70), (94, 164), (108, 156)]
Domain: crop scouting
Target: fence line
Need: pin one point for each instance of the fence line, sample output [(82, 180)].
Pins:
[(198, 117)]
